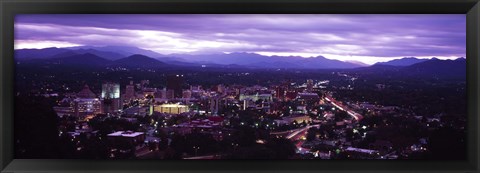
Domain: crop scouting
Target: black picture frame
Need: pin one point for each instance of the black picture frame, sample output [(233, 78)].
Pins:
[(9, 8)]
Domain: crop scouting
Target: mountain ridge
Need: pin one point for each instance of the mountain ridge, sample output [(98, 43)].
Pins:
[(236, 59), (137, 61), (406, 61)]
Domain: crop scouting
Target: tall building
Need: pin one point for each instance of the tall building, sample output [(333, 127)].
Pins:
[(130, 91), (175, 83), (214, 102), (110, 97), (110, 90), (82, 104), (280, 92), (246, 103), (86, 103), (309, 85)]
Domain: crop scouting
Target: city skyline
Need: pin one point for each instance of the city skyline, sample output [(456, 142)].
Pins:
[(365, 38), (167, 87)]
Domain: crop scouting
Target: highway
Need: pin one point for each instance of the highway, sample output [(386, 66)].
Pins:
[(342, 107), (296, 135)]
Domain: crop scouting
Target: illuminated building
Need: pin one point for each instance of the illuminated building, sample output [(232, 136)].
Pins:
[(110, 97), (86, 103), (171, 108), (256, 97), (117, 141), (110, 90), (247, 103), (308, 97), (86, 106)]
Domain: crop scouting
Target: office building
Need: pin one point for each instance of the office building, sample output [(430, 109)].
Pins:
[(110, 97), (130, 91), (175, 83), (171, 108)]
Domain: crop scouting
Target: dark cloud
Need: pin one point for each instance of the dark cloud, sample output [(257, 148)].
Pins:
[(380, 35)]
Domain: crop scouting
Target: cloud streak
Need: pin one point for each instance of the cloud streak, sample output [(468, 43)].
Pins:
[(339, 36)]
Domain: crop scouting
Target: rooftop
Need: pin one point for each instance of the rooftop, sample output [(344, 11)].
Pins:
[(125, 134), (360, 150), (86, 93), (172, 105)]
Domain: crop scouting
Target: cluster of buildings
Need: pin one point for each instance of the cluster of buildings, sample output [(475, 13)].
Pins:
[(215, 103), (177, 98), (86, 103)]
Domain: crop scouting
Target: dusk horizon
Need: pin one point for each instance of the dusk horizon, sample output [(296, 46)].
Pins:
[(178, 56), (231, 86), (368, 39)]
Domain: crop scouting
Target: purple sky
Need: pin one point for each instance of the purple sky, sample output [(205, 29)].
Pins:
[(365, 38)]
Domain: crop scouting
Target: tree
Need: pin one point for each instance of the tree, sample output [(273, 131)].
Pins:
[(245, 136), (447, 144), (283, 148), (36, 128), (312, 134)]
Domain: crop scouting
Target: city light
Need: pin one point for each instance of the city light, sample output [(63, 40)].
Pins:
[(172, 92)]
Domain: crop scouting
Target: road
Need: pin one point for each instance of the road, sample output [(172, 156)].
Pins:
[(342, 107), (298, 134)]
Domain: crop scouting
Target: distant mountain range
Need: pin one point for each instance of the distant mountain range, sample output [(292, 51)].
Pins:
[(136, 61), (438, 68), (86, 59), (250, 60), (403, 62), (92, 60), (51, 53), (120, 50), (429, 68), (136, 57), (261, 61)]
